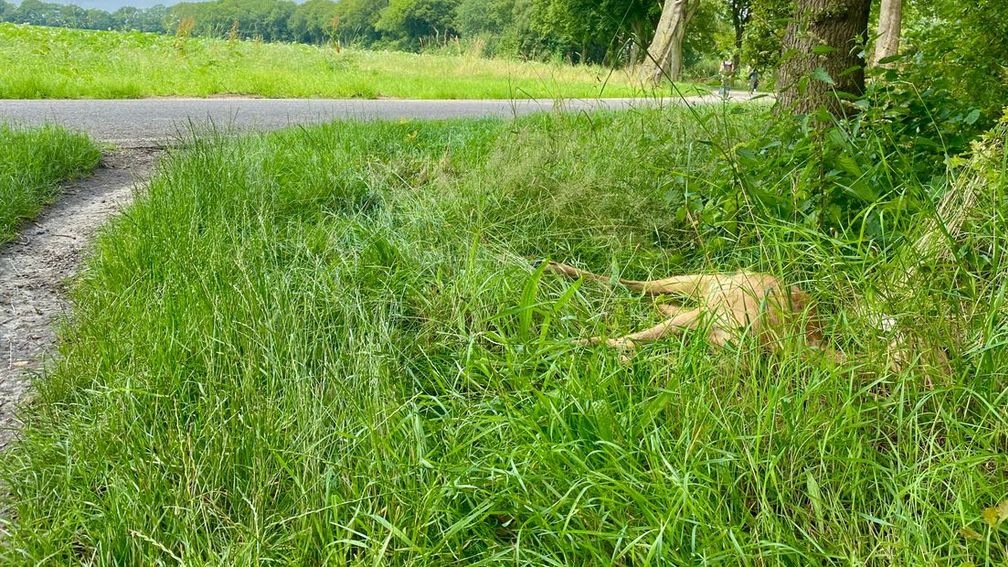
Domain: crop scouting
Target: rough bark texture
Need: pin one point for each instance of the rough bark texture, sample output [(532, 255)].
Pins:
[(828, 35), (664, 57), (890, 21)]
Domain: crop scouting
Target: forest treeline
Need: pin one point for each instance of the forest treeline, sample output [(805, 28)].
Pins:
[(949, 45), (579, 31)]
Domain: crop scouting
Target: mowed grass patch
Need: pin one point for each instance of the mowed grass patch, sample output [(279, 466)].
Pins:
[(45, 62), (329, 346), (32, 164)]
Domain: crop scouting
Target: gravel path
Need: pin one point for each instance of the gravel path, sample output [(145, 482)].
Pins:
[(34, 269)]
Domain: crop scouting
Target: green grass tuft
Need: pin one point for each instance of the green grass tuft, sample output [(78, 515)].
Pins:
[(32, 164)]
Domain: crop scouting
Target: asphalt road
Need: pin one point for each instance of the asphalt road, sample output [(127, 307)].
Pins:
[(155, 122)]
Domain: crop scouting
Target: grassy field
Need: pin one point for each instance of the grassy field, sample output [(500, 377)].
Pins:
[(32, 164), (329, 346), (43, 62)]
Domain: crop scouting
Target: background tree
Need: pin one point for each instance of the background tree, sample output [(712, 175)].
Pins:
[(764, 35), (411, 21), (741, 13), (313, 21), (37, 13), (824, 54), (664, 57), (890, 23), (265, 19), (96, 19), (359, 19), (594, 31), (483, 17)]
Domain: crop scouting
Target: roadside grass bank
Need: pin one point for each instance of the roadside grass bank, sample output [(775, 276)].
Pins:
[(329, 346), (45, 62), (32, 164)]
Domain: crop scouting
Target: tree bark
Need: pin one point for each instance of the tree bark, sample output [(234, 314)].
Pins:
[(664, 57), (889, 24), (824, 35)]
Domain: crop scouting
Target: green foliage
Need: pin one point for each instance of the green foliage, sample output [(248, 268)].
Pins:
[(265, 19), (956, 55), (411, 21), (328, 346), (483, 17), (608, 31), (269, 20), (32, 164), (709, 40), (765, 32), (314, 21), (838, 177), (359, 19), (589, 31)]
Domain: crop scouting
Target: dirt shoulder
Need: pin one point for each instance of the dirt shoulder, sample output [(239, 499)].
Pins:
[(36, 267)]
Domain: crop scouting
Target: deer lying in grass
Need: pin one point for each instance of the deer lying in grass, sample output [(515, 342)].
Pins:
[(729, 305)]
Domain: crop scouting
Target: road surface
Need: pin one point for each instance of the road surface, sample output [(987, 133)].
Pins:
[(156, 122)]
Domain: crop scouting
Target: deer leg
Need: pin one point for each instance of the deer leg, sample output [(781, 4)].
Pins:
[(574, 273), (670, 310), (689, 285), (685, 320), (719, 337)]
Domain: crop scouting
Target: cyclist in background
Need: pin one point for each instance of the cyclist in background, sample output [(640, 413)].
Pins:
[(727, 77), (753, 81)]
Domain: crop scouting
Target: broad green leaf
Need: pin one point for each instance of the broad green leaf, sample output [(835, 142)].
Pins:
[(815, 497), (849, 164), (747, 155), (820, 74)]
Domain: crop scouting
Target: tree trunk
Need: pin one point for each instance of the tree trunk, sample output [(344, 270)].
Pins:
[(889, 23), (741, 13), (824, 35), (637, 31), (739, 34), (664, 57)]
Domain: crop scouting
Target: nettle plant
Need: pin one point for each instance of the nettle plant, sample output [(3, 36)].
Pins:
[(864, 176), (831, 175)]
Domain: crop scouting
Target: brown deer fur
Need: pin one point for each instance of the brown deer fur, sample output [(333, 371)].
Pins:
[(728, 305)]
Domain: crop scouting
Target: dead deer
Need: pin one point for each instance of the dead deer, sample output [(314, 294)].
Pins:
[(729, 305)]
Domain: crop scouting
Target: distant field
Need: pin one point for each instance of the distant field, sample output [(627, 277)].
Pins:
[(32, 163), (43, 62)]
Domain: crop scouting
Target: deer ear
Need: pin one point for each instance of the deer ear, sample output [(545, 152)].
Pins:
[(799, 299)]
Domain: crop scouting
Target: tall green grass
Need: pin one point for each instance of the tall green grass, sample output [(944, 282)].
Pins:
[(43, 62), (32, 164), (329, 346)]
